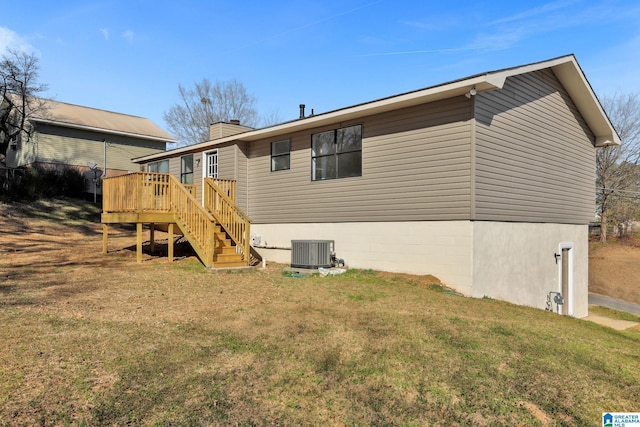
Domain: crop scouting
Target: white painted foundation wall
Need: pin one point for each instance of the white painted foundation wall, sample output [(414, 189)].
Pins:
[(515, 262), (507, 261)]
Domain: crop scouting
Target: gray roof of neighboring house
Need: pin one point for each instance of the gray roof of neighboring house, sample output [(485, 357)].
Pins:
[(87, 118)]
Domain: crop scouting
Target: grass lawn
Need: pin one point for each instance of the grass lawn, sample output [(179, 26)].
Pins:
[(92, 339)]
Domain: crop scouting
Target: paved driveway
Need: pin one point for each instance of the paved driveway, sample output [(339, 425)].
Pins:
[(614, 303)]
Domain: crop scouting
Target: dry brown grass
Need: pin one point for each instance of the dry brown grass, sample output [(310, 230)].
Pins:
[(100, 340), (614, 269)]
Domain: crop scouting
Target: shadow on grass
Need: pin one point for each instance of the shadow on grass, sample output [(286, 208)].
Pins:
[(181, 249)]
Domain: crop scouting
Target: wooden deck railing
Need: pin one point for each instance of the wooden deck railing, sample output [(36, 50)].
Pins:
[(235, 222), (139, 192), (162, 193), (227, 187)]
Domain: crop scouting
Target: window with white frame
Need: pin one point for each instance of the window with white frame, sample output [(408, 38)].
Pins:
[(336, 153), (280, 155)]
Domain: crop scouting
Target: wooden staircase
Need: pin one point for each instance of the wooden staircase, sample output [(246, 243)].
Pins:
[(218, 231), (225, 254)]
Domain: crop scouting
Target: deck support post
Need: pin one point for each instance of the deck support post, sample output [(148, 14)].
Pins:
[(105, 234), (152, 237), (139, 242), (170, 241)]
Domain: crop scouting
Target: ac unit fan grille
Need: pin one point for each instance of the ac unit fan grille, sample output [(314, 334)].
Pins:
[(311, 254)]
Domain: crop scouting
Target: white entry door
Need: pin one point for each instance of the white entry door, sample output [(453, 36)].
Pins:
[(565, 277), (211, 164)]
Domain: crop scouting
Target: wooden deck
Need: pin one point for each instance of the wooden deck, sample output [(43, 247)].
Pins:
[(218, 232)]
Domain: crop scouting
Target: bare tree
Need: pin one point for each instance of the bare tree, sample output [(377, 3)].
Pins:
[(272, 118), (208, 103), (19, 87), (617, 174)]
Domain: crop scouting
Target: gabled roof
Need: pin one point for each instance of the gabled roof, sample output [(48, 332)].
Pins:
[(566, 69), (86, 118)]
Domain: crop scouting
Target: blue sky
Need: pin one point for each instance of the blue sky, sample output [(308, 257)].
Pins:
[(130, 56)]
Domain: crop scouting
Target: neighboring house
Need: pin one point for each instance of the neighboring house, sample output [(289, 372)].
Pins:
[(485, 182), (67, 134)]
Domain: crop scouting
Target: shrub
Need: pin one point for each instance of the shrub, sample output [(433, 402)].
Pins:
[(40, 181)]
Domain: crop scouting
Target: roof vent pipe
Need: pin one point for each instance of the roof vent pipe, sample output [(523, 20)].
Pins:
[(235, 122), (302, 111)]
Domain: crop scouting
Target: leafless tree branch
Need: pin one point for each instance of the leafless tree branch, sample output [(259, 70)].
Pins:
[(617, 166), (19, 90), (208, 103)]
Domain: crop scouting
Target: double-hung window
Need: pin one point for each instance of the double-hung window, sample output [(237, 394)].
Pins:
[(186, 169), (280, 155), (336, 153)]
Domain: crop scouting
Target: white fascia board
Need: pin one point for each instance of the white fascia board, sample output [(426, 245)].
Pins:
[(576, 84), (568, 71)]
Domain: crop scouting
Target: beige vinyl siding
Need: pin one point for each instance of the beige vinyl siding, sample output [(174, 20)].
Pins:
[(222, 130), (534, 154), (227, 162), (228, 167), (174, 166), (242, 194), (77, 147), (197, 175), (415, 166)]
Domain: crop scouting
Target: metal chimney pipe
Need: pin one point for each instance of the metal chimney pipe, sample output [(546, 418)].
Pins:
[(302, 111)]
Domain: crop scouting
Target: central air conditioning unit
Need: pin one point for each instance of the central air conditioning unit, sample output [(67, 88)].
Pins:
[(311, 253)]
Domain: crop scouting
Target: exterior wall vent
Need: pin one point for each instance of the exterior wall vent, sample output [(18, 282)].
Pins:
[(311, 253)]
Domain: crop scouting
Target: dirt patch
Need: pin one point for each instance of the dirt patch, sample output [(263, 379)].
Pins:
[(614, 269), (538, 413)]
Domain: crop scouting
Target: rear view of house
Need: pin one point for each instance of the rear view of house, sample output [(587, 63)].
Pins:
[(486, 182)]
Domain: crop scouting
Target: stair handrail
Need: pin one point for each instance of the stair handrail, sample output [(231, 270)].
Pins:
[(195, 219), (235, 222)]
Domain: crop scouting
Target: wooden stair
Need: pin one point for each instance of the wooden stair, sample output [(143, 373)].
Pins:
[(225, 254)]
